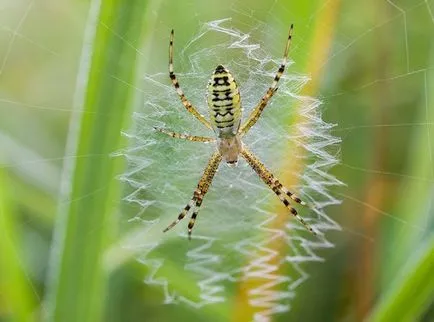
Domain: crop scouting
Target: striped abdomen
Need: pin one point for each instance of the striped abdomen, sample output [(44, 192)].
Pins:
[(224, 103)]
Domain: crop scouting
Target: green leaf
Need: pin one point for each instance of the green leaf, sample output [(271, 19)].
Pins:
[(17, 301), (412, 291), (90, 192)]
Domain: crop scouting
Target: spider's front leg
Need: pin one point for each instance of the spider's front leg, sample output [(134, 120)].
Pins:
[(202, 188), (187, 104), (188, 137), (275, 185), (259, 108)]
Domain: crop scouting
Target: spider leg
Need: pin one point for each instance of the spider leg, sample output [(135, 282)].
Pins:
[(257, 111), (184, 136), (181, 215), (194, 215), (290, 194), (187, 104), (275, 185), (202, 188)]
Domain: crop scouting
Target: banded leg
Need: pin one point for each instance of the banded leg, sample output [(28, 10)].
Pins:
[(184, 136), (199, 193), (190, 108), (275, 185), (257, 111)]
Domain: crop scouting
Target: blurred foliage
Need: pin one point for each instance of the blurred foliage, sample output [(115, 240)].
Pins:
[(376, 84)]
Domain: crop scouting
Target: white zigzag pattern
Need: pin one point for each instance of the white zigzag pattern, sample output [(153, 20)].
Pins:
[(274, 293)]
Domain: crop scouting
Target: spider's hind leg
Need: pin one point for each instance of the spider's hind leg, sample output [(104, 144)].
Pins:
[(281, 192), (194, 216), (199, 193), (274, 184), (181, 215), (291, 195)]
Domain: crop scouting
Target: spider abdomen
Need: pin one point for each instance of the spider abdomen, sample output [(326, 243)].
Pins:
[(224, 103)]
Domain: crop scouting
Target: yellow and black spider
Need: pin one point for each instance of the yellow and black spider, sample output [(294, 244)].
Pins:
[(223, 97)]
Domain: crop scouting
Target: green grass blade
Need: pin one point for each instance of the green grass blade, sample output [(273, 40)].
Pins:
[(413, 290), (17, 300), (407, 280), (89, 193)]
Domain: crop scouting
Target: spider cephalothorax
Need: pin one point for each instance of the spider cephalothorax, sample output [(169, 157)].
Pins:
[(230, 148), (224, 103)]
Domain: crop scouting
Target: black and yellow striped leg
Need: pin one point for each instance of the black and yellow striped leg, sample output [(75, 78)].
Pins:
[(257, 111), (194, 216), (274, 184), (184, 136), (290, 194), (202, 188), (181, 215), (187, 104)]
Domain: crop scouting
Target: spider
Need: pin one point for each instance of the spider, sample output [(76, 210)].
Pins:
[(223, 98)]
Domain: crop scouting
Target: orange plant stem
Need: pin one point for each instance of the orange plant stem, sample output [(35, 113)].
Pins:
[(321, 43)]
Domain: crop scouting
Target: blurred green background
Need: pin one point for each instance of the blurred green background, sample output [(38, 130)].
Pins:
[(372, 65)]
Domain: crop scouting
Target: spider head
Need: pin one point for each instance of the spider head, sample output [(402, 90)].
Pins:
[(230, 148)]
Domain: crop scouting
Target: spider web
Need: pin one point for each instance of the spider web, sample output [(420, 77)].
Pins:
[(163, 173), (232, 238)]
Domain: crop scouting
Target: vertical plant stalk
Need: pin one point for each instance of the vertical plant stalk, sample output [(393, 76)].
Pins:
[(407, 289), (412, 291), (320, 46), (377, 189), (89, 191)]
